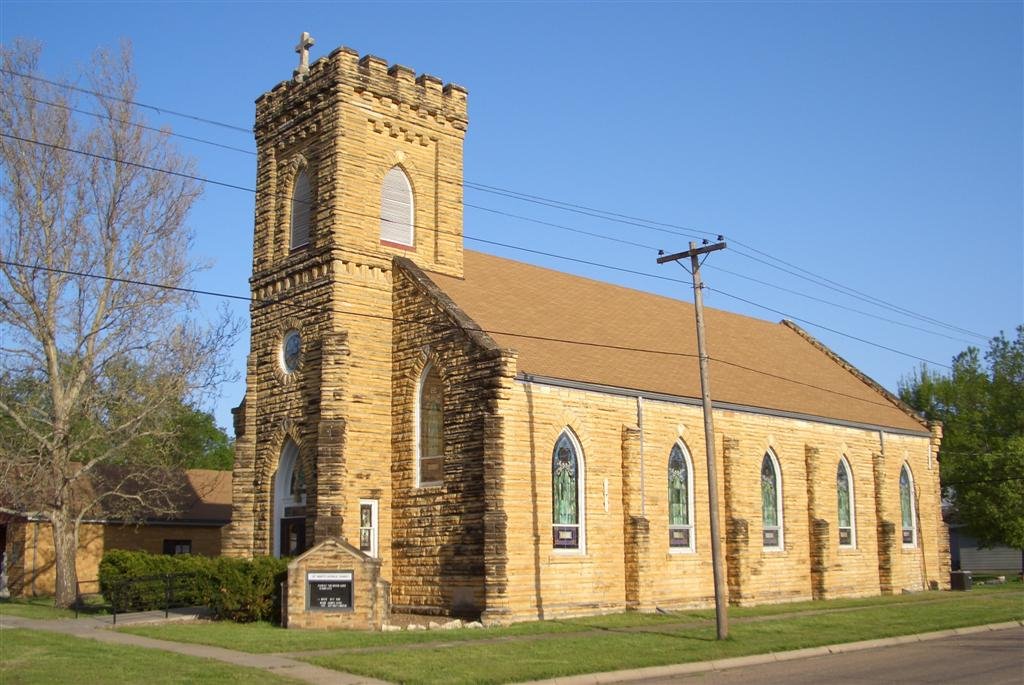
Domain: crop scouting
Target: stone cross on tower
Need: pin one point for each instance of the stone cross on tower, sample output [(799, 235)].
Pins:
[(306, 41)]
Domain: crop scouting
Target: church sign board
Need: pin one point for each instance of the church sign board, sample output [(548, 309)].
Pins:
[(335, 585), (329, 590)]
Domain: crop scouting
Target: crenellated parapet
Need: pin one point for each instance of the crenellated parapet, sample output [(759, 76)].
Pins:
[(422, 96)]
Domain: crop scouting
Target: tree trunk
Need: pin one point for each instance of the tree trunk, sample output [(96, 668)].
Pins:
[(65, 547)]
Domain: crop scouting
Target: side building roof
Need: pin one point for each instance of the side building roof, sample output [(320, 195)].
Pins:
[(754, 363)]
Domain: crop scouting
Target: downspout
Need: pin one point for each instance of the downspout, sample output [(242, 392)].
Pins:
[(640, 425)]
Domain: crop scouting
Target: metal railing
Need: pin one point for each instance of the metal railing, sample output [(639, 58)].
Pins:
[(121, 592)]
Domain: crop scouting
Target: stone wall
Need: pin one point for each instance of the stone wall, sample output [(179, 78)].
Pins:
[(628, 563), (346, 124), (439, 530)]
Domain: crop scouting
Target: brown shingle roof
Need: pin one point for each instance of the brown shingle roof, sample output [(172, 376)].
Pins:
[(506, 297)]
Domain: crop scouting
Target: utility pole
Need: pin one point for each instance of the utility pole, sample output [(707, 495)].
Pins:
[(694, 253)]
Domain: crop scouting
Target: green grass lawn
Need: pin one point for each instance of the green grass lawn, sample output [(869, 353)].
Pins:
[(33, 607), (260, 638), (614, 649), (28, 657)]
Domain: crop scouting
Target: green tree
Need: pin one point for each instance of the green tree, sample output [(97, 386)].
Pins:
[(981, 406), (199, 442)]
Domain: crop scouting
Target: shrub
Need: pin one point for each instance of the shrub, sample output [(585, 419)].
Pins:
[(239, 590), (248, 590)]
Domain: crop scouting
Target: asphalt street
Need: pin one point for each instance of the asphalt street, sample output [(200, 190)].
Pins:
[(989, 658)]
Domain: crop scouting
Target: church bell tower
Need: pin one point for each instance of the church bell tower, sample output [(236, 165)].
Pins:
[(357, 163)]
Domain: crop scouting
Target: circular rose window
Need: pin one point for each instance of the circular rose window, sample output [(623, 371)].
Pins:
[(291, 350)]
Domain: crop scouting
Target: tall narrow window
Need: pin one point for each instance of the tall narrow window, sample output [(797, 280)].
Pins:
[(396, 209), (680, 499), (907, 506), (431, 428), (845, 504), (368, 526), (302, 203), (566, 489), (771, 503)]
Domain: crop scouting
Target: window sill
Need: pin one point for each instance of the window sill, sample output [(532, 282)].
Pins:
[(398, 246), (429, 485), (677, 551)]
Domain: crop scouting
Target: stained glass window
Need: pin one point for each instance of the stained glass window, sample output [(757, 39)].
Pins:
[(565, 494), (431, 428), (770, 510), (907, 506), (679, 525), (844, 499)]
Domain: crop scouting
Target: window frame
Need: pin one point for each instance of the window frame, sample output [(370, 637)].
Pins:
[(373, 528), (844, 464), (780, 546), (691, 545), (418, 426), (581, 489), (905, 468), (173, 545), (408, 222)]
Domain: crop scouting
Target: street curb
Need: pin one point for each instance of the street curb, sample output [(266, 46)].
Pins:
[(772, 657)]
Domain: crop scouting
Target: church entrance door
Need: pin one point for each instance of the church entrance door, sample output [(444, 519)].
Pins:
[(293, 536)]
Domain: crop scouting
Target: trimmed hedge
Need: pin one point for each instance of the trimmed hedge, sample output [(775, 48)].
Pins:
[(239, 590)]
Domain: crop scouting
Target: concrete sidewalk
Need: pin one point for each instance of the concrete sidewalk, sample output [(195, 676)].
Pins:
[(98, 628)]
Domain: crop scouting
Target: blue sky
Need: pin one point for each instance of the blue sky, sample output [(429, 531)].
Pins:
[(877, 144)]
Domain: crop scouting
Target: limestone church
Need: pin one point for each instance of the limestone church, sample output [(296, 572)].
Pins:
[(521, 443)]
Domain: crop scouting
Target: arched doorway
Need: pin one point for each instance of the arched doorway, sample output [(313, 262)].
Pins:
[(289, 503)]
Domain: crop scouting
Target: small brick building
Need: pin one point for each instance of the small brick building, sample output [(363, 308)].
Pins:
[(521, 443), (27, 539)]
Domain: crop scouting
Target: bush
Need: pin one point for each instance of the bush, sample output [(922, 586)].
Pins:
[(248, 590), (235, 589)]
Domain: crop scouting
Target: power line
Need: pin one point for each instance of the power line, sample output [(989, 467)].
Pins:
[(134, 103), (865, 298), (482, 240), (597, 213), (136, 124), (304, 307)]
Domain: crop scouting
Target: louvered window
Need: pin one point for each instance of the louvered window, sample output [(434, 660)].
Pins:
[(302, 201), (396, 210)]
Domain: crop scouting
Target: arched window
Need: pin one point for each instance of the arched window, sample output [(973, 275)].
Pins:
[(908, 508), (845, 504), (771, 502), (430, 448), (396, 209), (289, 503), (680, 499), (302, 204), (567, 501)]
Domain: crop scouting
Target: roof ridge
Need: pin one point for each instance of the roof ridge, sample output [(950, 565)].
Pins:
[(458, 316), (857, 373)]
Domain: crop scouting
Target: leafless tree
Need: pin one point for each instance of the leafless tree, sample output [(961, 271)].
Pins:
[(92, 364)]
